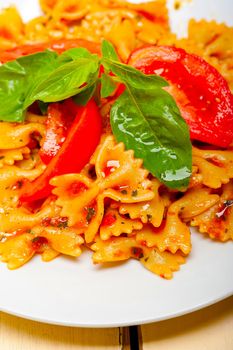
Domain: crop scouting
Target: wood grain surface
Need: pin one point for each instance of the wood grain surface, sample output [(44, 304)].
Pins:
[(208, 329), (19, 334)]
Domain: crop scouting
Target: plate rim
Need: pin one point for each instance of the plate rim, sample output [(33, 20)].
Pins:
[(144, 321)]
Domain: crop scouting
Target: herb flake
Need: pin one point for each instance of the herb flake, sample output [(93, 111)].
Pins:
[(90, 213)]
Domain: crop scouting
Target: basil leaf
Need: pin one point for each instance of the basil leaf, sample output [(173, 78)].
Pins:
[(132, 76), (46, 77), (128, 74), (75, 53), (64, 82), (83, 97), (149, 122), (145, 117), (108, 85), (108, 51), (18, 77), (11, 91)]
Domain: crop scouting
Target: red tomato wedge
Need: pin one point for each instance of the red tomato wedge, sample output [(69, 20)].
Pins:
[(56, 45), (200, 91), (59, 120), (82, 138)]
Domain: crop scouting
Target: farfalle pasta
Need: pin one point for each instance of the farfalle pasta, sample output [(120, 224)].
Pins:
[(113, 206), (127, 183), (217, 220), (152, 211)]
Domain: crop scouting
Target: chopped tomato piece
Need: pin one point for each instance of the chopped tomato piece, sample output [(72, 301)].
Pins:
[(77, 187), (108, 220), (38, 242)]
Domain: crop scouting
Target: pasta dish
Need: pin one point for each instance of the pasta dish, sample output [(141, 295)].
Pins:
[(115, 135)]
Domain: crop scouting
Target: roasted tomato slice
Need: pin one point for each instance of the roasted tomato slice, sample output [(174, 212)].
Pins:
[(201, 93), (70, 155), (56, 45)]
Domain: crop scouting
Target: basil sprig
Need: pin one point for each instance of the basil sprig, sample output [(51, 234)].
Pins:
[(155, 132), (45, 77), (147, 120), (144, 117)]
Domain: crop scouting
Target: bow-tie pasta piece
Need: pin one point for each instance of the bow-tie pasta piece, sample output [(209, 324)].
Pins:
[(16, 251), (118, 169), (197, 200), (80, 201), (113, 159), (217, 221), (10, 34), (151, 211), (76, 194), (119, 177), (12, 179), (172, 235), (196, 177), (17, 136), (48, 5), (49, 241), (19, 249), (116, 249), (64, 240), (124, 248), (125, 24), (11, 175), (13, 219), (94, 218), (162, 263), (215, 167), (48, 254), (114, 224), (10, 156), (72, 10)]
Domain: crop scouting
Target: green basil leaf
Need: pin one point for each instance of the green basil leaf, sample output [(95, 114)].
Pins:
[(132, 76), (149, 122), (75, 53), (108, 85), (128, 74), (12, 67), (83, 97), (18, 77), (11, 93), (108, 51), (44, 76), (64, 82)]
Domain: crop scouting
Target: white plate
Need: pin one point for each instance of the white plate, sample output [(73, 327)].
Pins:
[(77, 293)]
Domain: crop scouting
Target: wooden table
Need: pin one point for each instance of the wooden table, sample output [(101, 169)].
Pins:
[(207, 329)]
